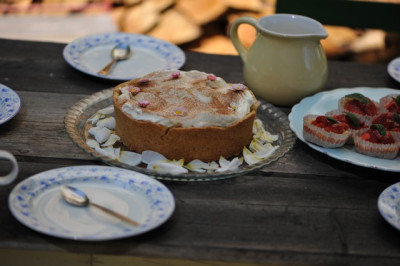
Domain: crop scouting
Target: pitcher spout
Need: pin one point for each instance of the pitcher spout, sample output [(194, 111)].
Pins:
[(290, 25)]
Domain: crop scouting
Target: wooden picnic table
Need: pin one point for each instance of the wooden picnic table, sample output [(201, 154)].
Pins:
[(305, 209)]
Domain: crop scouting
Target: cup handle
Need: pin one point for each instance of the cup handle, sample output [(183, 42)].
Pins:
[(7, 179), (234, 34)]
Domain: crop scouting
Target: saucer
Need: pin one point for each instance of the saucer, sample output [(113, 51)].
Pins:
[(394, 69), (37, 203), (389, 203), (9, 103), (91, 53)]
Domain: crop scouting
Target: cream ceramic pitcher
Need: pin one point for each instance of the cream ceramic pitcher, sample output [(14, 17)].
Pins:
[(286, 62)]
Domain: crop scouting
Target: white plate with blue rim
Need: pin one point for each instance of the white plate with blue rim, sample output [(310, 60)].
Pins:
[(91, 53), (10, 103), (389, 205), (37, 203), (325, 101), (393, 69)]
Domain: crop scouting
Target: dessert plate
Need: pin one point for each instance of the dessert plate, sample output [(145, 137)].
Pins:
[(275, 121), (389, 204), (9, 103), (91, 53), (37, 203), (323, 102), (394, 69)]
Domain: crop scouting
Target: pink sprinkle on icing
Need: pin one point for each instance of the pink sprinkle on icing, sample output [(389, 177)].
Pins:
[(179, 111), (211, 77), (176, 74), (143, 103), (238, 87), (134, 90)]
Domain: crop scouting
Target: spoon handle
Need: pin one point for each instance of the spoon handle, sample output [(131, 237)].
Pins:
[(116, 214), (107, 68)]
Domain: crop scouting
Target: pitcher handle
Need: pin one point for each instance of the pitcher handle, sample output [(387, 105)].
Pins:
[(234, 34)]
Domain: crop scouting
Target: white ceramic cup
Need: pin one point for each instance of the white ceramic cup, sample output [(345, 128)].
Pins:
[(10, 177)]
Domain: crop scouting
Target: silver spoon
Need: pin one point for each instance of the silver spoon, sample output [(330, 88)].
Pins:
[(121, 51), (77, 197)]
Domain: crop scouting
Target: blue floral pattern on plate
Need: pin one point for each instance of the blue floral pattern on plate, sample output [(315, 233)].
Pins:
[(388, 205), (37, 203), (325, 101), (394, 69), (91, 53), (9, 103)]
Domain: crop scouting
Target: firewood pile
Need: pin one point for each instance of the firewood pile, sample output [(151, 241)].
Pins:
[(202, 25)]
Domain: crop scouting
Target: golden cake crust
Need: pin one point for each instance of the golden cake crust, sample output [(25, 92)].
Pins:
[(204, 143)]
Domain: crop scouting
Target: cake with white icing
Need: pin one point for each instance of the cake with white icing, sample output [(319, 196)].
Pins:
[(189, 115)]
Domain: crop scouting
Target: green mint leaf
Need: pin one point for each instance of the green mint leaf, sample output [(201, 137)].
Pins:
[(380, 128), (397, 100), (354, 119), (358, 97), (396, 117), (331, 120)]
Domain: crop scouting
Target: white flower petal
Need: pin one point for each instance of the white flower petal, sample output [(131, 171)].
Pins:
[(213, 165), (259, 132), (108, 152), (111, 140), (150, 156), (117, 152), (196, 170), (108, 122), (107, 111), (178, 162), (249, 157), (223, 162), (257, 126), (197, 166), (165, 167), (235, 163), (265, 153), (94, 119), (231, 166), (92, 143), (101, 134), (266, 136), (255, 145), (131, 158)]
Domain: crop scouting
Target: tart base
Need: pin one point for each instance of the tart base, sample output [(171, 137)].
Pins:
[(206, 144)]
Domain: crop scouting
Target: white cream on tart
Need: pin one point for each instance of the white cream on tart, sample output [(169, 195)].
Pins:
[(186, 99)]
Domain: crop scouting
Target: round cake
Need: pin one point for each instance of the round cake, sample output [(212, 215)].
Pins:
[(184, 115)]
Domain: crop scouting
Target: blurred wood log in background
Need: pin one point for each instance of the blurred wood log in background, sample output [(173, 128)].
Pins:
[(202, 25)]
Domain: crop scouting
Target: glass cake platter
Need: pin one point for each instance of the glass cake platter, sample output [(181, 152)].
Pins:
[(274, 120)]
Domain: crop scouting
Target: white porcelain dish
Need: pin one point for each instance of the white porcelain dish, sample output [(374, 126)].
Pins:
[(393, 69), (389, 204), (10, 103), (323, 102), (91, 53), (37, 203)]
